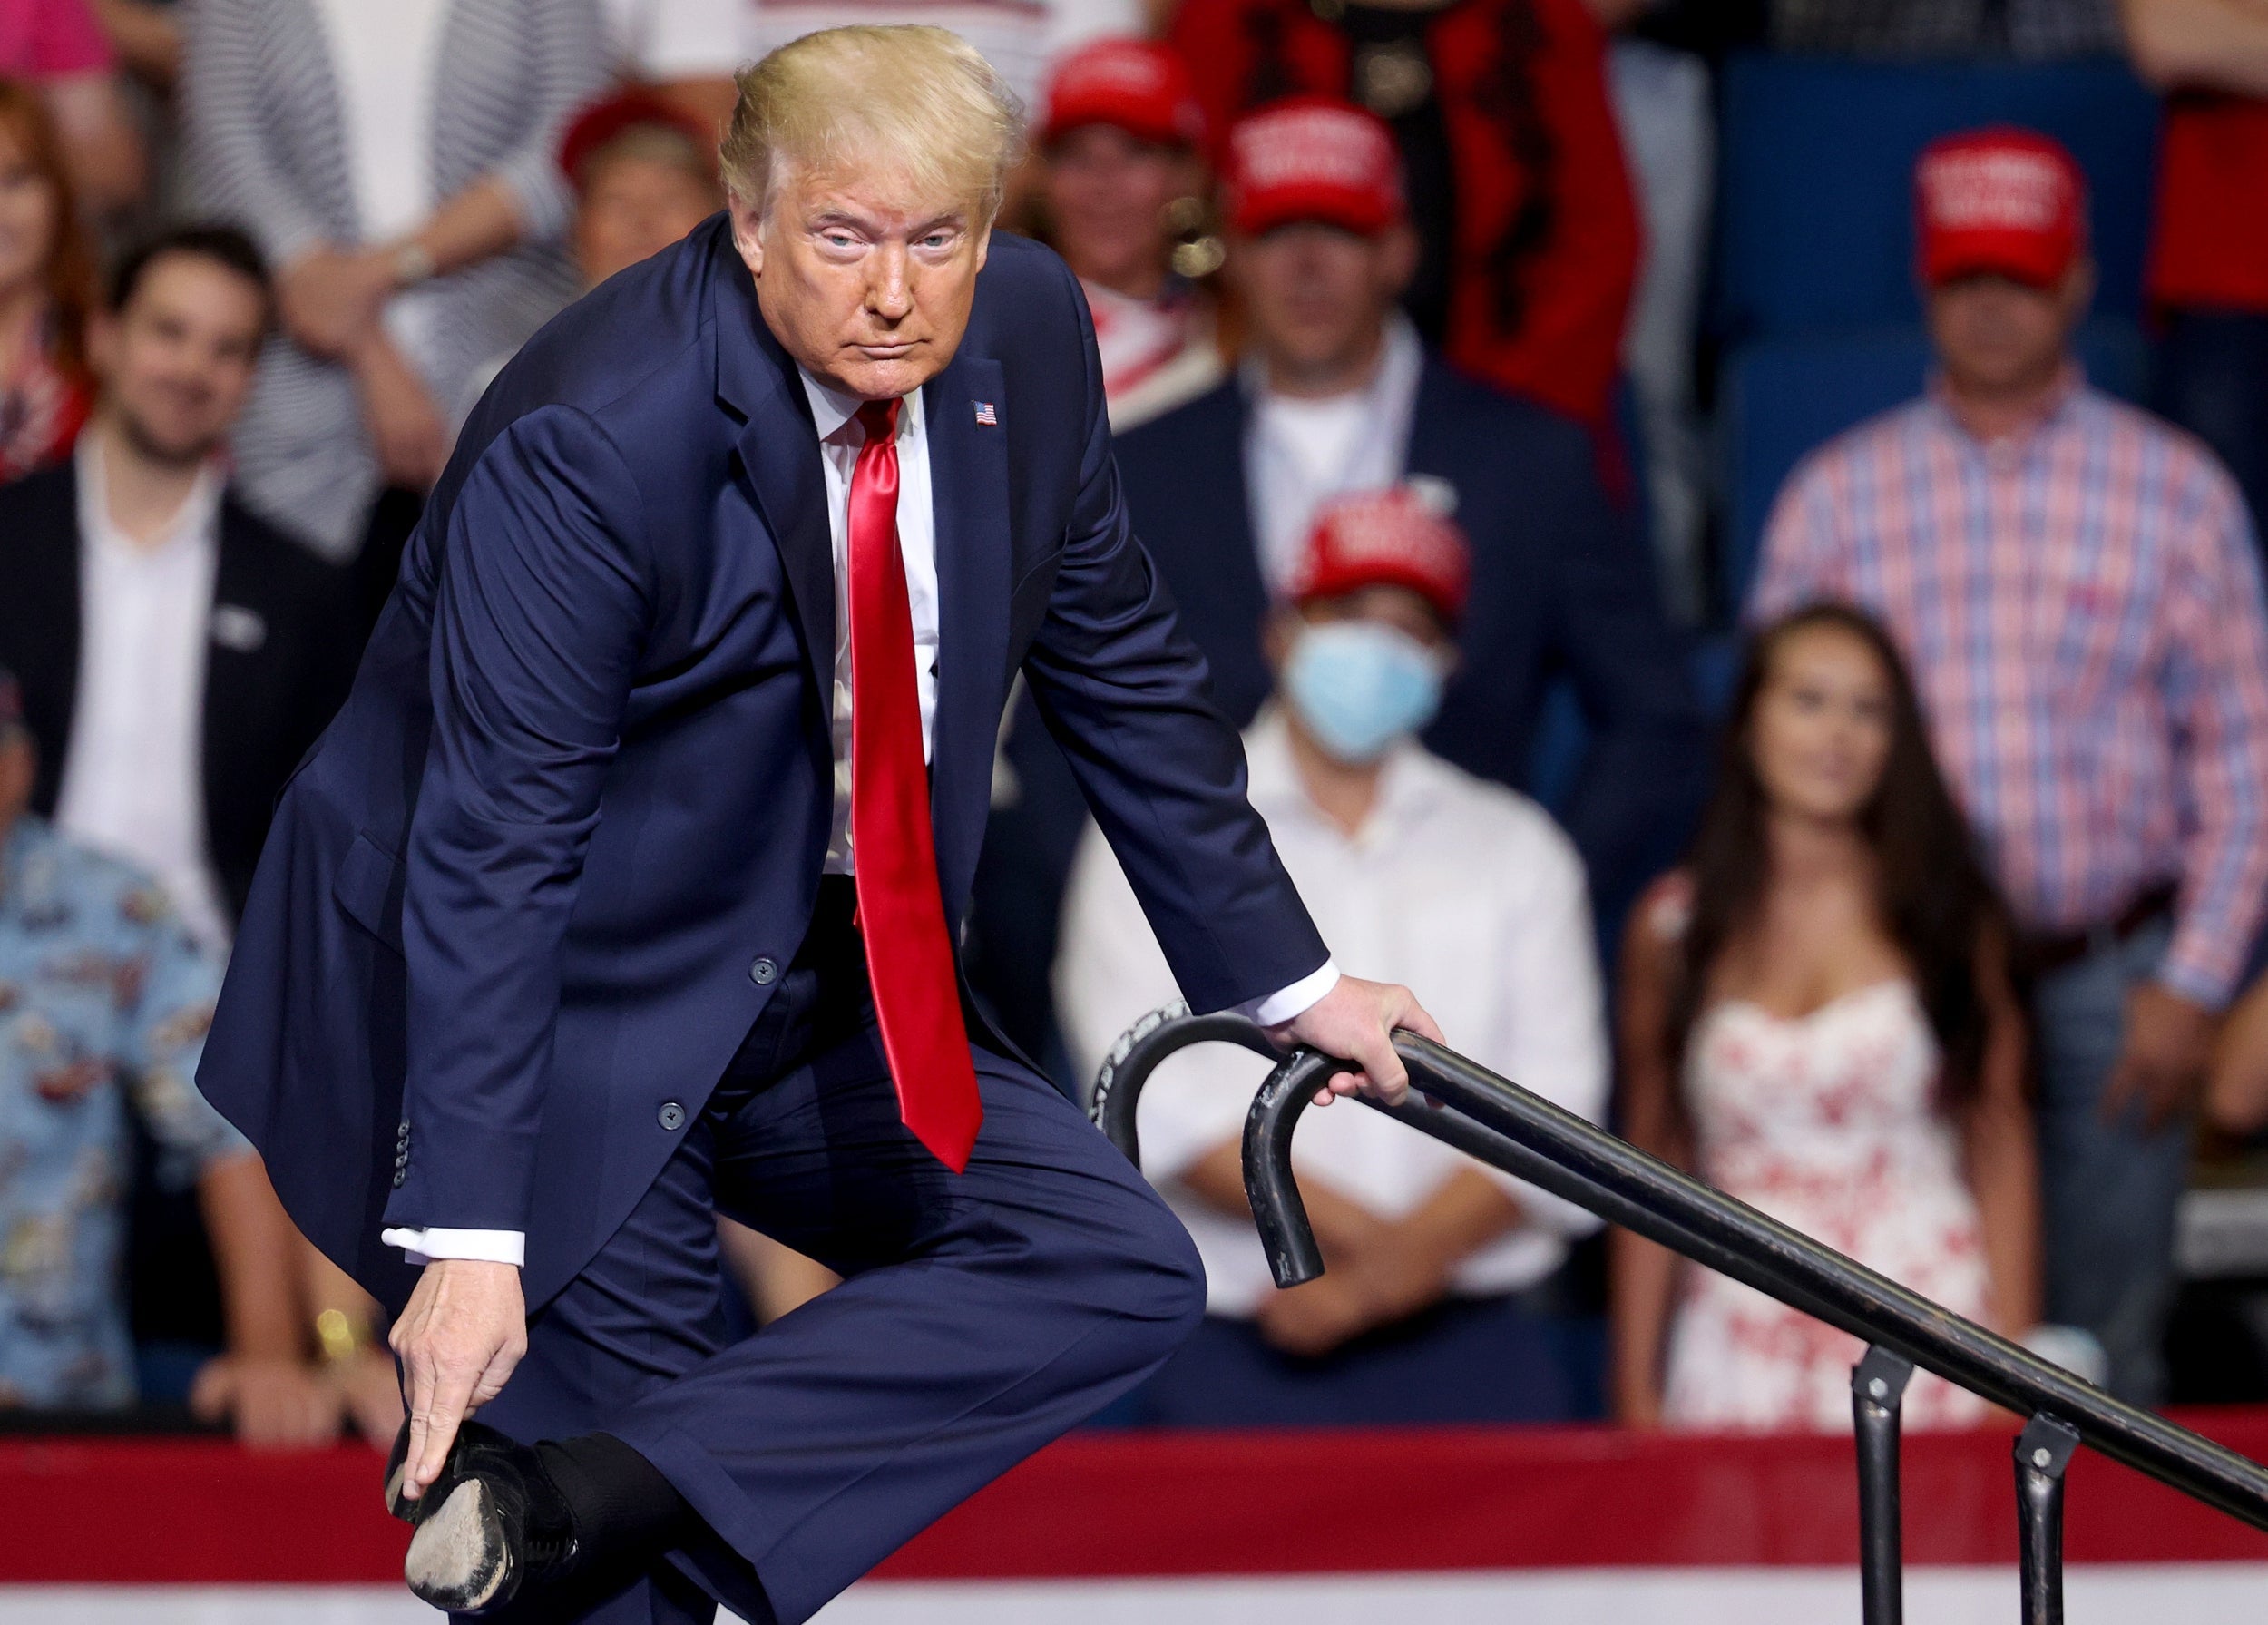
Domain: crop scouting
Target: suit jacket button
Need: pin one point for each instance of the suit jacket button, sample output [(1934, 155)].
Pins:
[(763, 972), (671, 1116), (400, 1177)]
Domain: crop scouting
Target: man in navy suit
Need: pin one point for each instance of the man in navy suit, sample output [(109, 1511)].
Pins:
[(620, 893), (1337, 394)]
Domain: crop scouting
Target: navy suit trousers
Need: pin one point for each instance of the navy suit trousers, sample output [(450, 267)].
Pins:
[(979, 1316)]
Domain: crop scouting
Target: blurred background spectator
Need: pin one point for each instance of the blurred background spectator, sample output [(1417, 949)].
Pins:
[(178, 654), (399, 166), (644, 175), (1337, 394), (58, 49), (1525, 232), (146, 35), (1661, 87), (2078, 590), (104, 1001), (2209, 264), (1123, 192), (1437, 1304), (1817, 1016), (47, 281), (2026, 28)]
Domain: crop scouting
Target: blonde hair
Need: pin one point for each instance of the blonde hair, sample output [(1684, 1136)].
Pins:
[(919, 96)]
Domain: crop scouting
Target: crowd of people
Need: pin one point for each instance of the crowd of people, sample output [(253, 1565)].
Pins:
[(1941, 956)]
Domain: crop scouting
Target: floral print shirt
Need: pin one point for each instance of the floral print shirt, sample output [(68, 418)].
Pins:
[(104, 1002)]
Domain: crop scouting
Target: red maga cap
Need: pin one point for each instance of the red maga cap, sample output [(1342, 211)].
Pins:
[(2004, 202), (1391, 538), (1134, 86), (1313, 158), (602, 121)]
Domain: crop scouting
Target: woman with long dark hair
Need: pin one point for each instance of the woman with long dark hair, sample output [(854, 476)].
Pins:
[(47, 289), (1818, 1018)]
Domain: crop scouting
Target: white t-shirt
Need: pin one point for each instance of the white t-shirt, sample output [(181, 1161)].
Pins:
[(703, 39), (1462, 890)]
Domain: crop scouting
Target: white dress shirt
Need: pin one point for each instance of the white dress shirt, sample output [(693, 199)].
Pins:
[(1463, 890), (1300, 452), (836, 417), (133, 782)]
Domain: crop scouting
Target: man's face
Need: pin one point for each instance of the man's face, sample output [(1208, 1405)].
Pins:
[(1107, 194), (177, 362), (633, 207), (1994, 335), (1317, 296), (864, 278)]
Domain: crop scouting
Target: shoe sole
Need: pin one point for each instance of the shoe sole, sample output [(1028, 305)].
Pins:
[(458, 1560), (396, 1504)]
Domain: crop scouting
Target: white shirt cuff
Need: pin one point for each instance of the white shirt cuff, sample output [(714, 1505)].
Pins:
[(1287, 1003), (485, 1246)]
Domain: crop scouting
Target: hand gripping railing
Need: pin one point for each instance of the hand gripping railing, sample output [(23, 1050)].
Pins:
[(1505, 1126)]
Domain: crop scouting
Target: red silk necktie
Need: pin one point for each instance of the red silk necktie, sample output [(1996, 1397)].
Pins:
[(893, 852)]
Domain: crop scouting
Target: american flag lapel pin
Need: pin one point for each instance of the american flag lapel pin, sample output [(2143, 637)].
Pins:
[(986, 417)]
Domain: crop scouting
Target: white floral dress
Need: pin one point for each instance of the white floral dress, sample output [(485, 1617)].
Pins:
[(1830, 1124)]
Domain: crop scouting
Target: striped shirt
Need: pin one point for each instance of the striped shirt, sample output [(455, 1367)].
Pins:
[(2081, 605), (269, 136)]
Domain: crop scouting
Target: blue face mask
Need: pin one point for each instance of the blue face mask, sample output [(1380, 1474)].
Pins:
[(1359, 685)]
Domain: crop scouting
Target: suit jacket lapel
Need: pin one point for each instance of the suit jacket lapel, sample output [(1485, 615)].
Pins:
[(1235, 600), (234, 668), (42, 569), (968, 464), (779, 448), (1429, 424)]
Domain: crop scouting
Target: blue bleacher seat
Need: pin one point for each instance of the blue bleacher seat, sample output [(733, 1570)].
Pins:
[(1815, 218), (1781, 397)]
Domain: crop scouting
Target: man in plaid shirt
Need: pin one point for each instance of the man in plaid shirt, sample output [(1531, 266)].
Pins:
[(2076, 586)]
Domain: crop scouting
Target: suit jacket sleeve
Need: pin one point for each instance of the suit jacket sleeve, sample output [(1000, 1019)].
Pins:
[(1125, 696), (539, 614)]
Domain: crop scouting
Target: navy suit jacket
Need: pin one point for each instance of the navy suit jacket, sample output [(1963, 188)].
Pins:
[(1562, 588), (529, 890)]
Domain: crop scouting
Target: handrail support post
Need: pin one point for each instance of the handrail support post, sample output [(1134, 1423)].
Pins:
[(1878, 1388), (2043, 1450)]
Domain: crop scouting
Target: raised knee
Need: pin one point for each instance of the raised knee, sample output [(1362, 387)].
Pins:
[(1161, 1268)]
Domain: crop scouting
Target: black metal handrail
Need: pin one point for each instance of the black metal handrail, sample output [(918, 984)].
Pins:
[(1499, 1122)]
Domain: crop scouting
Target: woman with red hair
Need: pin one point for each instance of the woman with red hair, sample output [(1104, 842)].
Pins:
[(46, 289)]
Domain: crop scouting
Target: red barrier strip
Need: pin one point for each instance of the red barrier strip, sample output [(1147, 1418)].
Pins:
[(1101, 1505)]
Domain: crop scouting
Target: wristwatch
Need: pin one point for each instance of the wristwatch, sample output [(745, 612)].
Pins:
[(413, 264)]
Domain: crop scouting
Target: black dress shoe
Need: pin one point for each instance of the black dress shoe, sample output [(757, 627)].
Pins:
[(492, 1525)]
